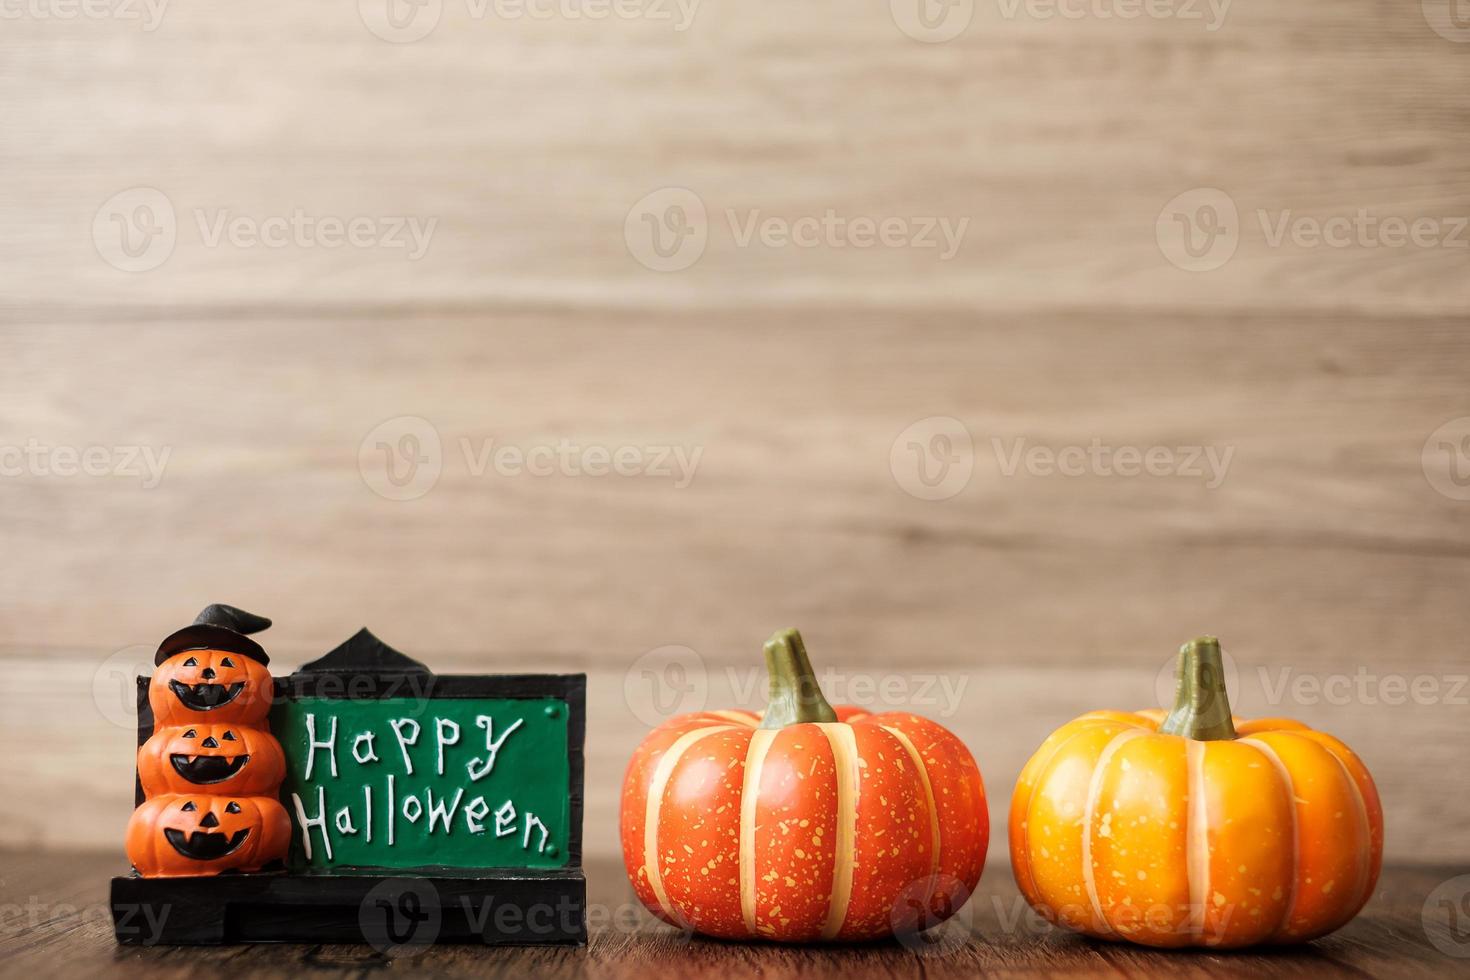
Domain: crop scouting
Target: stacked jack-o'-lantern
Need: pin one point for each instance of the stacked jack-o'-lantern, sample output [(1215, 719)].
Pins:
[(211, 771)]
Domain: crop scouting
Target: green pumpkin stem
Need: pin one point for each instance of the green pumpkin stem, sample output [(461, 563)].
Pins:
[(1201, 704), (795, 696)]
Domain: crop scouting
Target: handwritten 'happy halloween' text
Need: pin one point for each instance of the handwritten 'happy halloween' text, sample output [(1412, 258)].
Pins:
[(381, 812)]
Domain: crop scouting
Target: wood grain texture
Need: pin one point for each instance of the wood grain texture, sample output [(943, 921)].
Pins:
[(1323, 545), (530, 139), (1324, 553), (56, 926), (1324, 558)]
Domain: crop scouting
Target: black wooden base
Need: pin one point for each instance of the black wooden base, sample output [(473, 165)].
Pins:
[(382, 909)]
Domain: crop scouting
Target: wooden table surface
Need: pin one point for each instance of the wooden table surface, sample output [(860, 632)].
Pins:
[(53, 922), (1335, 553)]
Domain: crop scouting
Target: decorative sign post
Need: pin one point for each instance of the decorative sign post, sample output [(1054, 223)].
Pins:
[(422, 808)]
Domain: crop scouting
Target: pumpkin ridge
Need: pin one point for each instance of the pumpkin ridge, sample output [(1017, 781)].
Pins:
[(1094, 789), (1275, 760), (1043, 769), (934, 841), (1363, 780), (660, 782), (1365, 855)]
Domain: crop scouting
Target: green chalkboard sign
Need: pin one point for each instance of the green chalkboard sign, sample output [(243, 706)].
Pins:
[(421, 782), (391, 766)]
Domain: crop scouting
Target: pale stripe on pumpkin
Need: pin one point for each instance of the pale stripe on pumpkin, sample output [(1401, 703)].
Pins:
[(1094, 790), (755, 761), (1197, 838), (845, 764), (744, 718)]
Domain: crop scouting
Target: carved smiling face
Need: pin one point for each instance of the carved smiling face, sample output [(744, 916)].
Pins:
[(212, 686), (186, 834), (222, 759)]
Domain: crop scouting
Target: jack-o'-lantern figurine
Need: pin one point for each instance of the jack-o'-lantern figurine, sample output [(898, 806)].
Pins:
[(233, 760), (182, 835), (212, 671), (211, 771)]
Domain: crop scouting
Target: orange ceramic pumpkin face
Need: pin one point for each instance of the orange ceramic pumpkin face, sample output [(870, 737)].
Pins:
[(843, 830), (229, 760), (179, 835), (1119, 831), (211, 686)]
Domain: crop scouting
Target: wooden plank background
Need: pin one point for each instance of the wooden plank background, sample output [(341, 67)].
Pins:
[(1325, 553)]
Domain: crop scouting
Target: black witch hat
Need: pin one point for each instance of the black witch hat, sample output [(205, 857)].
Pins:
[(218, 627)]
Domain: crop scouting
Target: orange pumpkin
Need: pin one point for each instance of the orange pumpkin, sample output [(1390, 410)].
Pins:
[(1195, 828), (180, 835), (224, 760), (215, 686), (804, 823)]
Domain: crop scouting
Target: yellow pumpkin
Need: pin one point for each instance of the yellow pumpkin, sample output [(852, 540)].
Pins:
[(1195, 828)]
